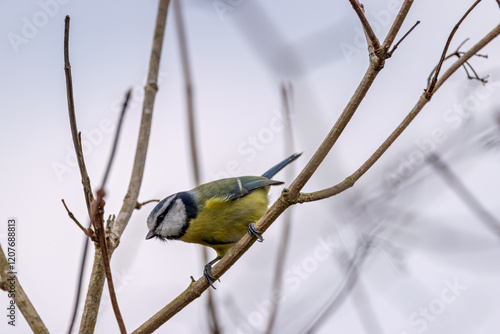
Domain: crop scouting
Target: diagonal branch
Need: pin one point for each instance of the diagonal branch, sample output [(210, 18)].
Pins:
[(432, 84), (396, 26), (284, 201), (88, 232), (7, 277), (196, 288), (350, 180), (98, 221), (375, 66), (389, 54), (352, 273), (371, 38), (467, 197)]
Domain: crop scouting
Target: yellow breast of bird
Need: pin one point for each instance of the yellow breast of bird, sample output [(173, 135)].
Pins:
[(221, 223)]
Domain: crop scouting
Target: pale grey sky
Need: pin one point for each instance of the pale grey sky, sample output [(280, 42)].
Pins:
[(240, 53)]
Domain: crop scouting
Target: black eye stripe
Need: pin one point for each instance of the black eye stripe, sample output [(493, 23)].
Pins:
[(164, 213)]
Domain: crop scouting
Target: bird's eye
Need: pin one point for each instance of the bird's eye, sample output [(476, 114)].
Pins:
[(161, 217)]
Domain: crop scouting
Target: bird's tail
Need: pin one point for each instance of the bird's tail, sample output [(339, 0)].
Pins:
[(274, 170)]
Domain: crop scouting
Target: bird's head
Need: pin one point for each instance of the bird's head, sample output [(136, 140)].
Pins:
[(170, 218)]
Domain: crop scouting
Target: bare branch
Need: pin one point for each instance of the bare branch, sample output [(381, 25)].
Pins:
[(77, 143), (371, 38), (289, 196), (389, 54), (350, 180), (483, 80), (97, 277), (186, 70), (396, 26), (376, 65), (98, 221), (8, 278), (466, 56), (351, 277), (457, 53), (98, 211), (195, 161), (335, 132), (88, 232), (431, 86), (467, 197), (138, 205), (117, 137)]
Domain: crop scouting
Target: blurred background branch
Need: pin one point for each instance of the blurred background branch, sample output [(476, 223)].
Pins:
[(191, 121)]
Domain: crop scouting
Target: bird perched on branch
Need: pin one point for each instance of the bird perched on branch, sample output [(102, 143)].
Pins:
[(215, 214)]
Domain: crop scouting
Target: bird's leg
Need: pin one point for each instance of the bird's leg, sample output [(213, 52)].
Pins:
[(254, 233), (207, 272)]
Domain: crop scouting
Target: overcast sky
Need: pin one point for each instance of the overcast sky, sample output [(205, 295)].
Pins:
[(433, 253)]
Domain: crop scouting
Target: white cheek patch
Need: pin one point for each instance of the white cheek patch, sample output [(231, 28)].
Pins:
[(157, 211), (174, 220)]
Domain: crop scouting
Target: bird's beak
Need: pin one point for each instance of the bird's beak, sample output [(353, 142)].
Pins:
[(150, 235)]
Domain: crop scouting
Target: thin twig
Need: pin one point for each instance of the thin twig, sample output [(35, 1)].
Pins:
[(348, 112), (483, 80), (431, 86), (465, 194), (466, 56), (335, 132), (351, 268), (9, 278), (371, 38), (97, 278), (457, 53), (389, 54), (195, 161), (352, 271), (396, 26), (98, 220), (98, 210), (87, 189), (88, 232), (350, 180), (117, 137), (287, 218), (139, 205)]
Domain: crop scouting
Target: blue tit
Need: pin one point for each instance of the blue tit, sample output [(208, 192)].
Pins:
[(215, 214)]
